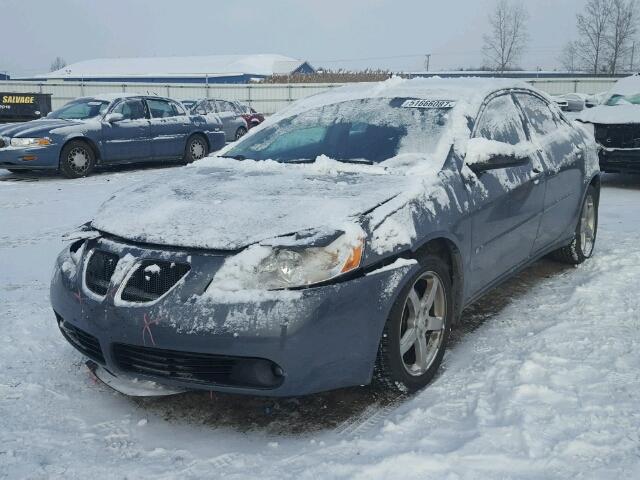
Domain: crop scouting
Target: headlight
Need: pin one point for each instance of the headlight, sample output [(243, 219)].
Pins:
[(30, 142), (266, 268)]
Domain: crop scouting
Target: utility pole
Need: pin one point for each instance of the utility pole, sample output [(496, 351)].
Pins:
[(427, 59)]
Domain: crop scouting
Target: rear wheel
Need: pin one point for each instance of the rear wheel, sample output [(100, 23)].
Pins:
[(240, 132), (416, 334), (197, 148), (581, 247), (77, 159)]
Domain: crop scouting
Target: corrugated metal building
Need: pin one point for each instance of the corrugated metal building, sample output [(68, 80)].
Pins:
[(192, 69)]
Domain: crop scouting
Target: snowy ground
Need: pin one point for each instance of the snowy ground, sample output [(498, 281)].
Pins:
[(542, 381)]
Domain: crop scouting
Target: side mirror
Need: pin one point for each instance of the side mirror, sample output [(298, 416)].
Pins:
[(483, 155), (113, 117)]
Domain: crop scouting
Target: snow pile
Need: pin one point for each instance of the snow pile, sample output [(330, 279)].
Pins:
[(540, 382)]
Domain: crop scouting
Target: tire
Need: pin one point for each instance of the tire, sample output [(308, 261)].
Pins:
[(241, 132), (582, 245), (77, 159), (406, 372), (197, 148)]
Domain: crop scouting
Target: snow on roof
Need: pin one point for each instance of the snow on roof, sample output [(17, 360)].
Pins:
[(212, 65), (469, 91), (626, 86)]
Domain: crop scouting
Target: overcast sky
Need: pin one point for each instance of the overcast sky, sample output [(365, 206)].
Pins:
[(330, 33)]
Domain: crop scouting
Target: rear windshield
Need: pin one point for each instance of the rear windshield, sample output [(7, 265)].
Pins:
[(80, 110), (623, 100), (369, 130)]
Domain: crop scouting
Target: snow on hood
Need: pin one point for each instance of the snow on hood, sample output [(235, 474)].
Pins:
[(28, 129), (224, 204), (608, 115)]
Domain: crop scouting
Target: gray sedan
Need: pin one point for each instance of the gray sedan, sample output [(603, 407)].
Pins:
[(233, 123), (335, 246)]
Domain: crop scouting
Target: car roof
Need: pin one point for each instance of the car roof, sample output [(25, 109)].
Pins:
[(466, 92), (111, 97)]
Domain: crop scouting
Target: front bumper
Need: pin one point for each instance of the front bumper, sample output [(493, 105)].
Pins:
[(620, 160), (32, 158), (285, 343)]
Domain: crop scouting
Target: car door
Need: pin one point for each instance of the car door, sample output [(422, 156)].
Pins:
[(506, 203), (170, 127), (130, 138), (563, 151)]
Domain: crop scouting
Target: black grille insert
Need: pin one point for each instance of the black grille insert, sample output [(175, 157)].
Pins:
[(100, 268), (201, 368), (618, 136), (2, 144), (152, 279), (86, 344)]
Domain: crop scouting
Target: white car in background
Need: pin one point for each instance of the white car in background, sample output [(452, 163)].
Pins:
[(233, 123), (616, 126)]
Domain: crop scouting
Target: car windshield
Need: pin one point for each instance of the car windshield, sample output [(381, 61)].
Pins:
[(616, 99), (80, 110), (368, 131)]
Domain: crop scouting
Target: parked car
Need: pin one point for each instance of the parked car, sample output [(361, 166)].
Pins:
[(250, 115), (108, 129), (233, 122), (337, 245), (571, 102), (616, 126)]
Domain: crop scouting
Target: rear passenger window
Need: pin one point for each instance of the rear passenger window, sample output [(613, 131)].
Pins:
[(501, 121), (538, 114)]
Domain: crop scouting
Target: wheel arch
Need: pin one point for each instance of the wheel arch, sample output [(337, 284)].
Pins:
[(87, 140), (200, 134), (449, 251)]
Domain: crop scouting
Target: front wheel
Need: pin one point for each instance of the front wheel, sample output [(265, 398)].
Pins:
[(584, 240), (196, 149), (77, 159), (416, 334)]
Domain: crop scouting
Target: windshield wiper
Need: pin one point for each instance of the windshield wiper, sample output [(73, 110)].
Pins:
[(235, 157), (356, 162)]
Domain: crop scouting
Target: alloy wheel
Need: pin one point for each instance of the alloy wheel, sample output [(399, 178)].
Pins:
[(423, 323)]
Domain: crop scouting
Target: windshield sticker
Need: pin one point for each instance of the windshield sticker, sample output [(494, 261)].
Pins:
[(428, 104)]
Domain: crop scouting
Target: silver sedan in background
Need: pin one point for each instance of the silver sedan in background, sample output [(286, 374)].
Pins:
[(233, 123)]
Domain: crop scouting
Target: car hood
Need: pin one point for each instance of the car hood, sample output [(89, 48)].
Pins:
[(35, 127), (606, 115), (229, 207)]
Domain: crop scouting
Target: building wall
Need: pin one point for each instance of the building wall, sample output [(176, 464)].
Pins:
[(266, 98)]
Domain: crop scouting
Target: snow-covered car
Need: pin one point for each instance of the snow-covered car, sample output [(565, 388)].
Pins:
[(233, 122), (571, 102), (334, 244), (250, 115), (616, 126), (108, 129)]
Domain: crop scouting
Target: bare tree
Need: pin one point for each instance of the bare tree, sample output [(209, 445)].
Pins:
[(507, 40), (57, 64), (621, 32), (569, 57), (592, 30)]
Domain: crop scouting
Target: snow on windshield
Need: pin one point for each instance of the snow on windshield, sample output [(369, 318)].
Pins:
[(369, 130)]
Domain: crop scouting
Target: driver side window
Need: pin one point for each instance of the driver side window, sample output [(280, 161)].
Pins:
[(501, 121)]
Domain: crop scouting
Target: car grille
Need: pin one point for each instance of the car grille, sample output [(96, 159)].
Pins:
[(152, 279), (99, 271), (191, 367), (86, 344), (618, 136), (2, 143)]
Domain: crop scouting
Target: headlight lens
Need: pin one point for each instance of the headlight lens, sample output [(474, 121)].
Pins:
[(265, 268), (30, 142)]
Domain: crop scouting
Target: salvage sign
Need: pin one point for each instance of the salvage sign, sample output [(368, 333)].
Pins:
[(428, 104), (20, 107)]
